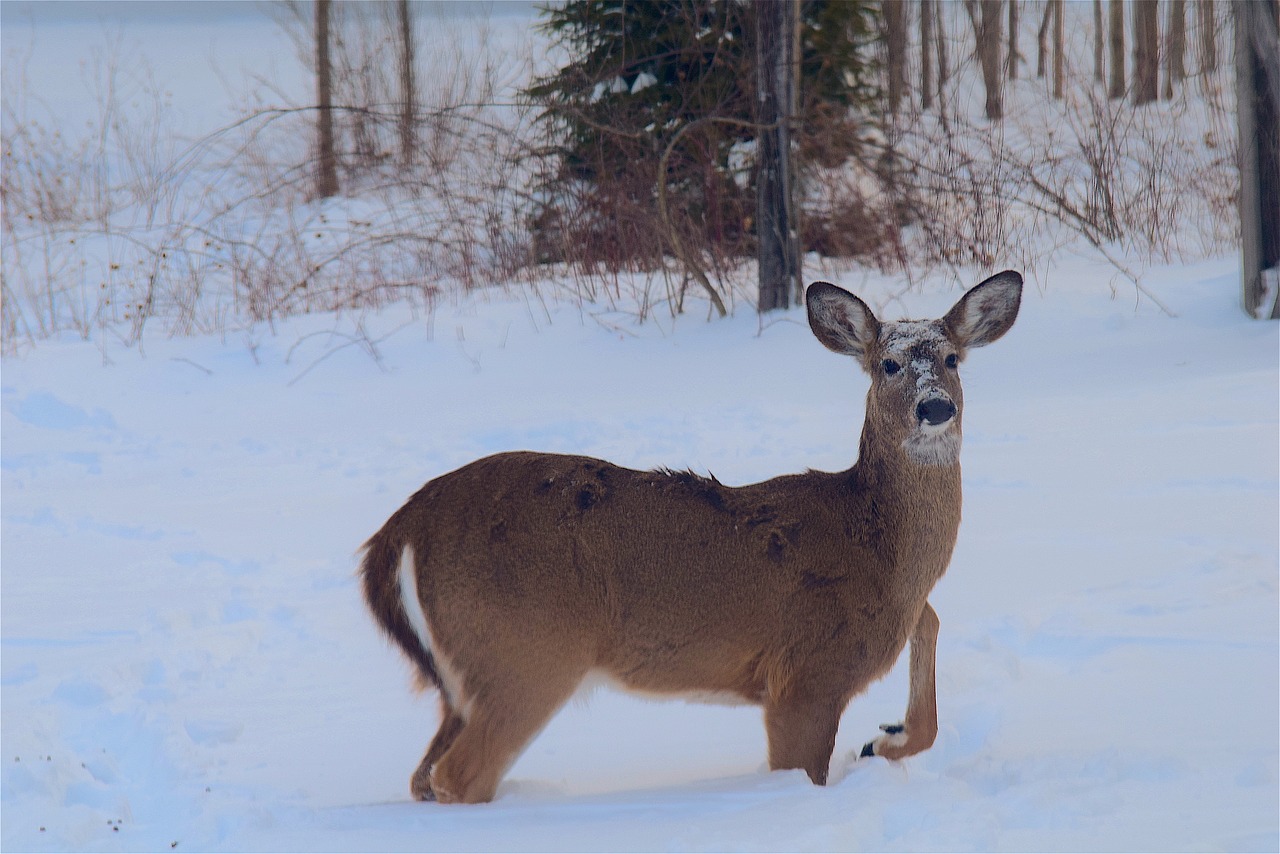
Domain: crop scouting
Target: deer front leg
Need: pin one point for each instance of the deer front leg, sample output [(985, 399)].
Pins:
[(920, 728)]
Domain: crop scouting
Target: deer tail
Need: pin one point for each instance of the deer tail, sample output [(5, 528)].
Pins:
[(389, 575)]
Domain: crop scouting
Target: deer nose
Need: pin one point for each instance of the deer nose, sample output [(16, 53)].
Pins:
[(935, 410)]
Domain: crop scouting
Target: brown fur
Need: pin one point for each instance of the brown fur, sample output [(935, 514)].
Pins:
[(796, 593)]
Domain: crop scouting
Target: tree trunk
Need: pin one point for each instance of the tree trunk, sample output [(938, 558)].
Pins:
[(1116, 89), (1257, 43), (408, 92), (895, 36), (327, 161), (1042, 40), (1099, 52), (1059, 45), (940, 32), (776, 72), (985, 15), (1175, 48), (926, 54), (1146, 51), (940, 54), (1013, 40), (1208, 38)]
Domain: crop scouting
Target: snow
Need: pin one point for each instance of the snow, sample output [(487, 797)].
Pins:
[(186, 663), (186, 658)]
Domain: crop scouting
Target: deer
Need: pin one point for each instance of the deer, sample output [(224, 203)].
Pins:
[(509, 582)]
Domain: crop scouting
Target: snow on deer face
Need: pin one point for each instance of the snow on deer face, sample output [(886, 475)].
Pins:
[(918, 386)]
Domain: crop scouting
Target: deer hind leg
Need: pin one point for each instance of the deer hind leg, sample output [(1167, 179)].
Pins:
[(451, 724), (920, 728), (500, 723), (801, 728)]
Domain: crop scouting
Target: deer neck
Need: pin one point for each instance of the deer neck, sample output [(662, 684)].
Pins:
[(917, 505)]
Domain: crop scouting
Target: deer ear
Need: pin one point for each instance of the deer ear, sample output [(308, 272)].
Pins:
[(987, 311), (841, 321)]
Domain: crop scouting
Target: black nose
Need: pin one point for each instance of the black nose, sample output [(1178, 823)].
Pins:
[(936, 410)]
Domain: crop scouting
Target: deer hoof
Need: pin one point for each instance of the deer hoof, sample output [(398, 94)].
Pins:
[(895, 736)]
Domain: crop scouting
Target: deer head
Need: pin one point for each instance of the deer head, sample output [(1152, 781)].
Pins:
[(915, 402)]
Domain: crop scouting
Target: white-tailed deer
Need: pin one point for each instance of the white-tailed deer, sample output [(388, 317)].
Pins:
[(508, 581)]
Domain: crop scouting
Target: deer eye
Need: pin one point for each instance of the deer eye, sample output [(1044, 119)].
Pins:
[(890, 367), (952, 361)]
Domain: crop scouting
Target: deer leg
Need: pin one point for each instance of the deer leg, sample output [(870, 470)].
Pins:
[(451, 724), (802, 733), (920, 728), (499, 725)]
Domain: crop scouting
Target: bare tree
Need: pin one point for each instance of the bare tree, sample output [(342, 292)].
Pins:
[(1116, 89), (1059, 48), (1175, 48), (940, 31), (1042, 39), (1208, 37), (777, 24), (1146, 51), (1052, 15), (986, 20), (1014, 57), (926, 54), (1257, 43), (1099, 51), (327, 160), (408, 92), (895, 35)]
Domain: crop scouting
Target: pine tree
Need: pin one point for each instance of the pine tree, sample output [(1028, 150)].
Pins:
[(644, 73)]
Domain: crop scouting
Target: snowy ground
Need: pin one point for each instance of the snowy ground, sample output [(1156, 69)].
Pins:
[(186, 661)]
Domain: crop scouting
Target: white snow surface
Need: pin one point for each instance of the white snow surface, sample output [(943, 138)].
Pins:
[(187, 663)]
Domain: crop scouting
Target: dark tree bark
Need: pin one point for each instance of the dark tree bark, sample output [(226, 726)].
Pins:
[(1059, 47), (1099, 51), (1208, 37), (1175, 48), (408, 91), (1116, 89), (1257, 42), (1052, 16), (327, 161), (986, 19), (940, 57), (1146, 51), (1042, 40), (926, 54), (776, 72), (1014, 57), (940, 31), (895, 37)]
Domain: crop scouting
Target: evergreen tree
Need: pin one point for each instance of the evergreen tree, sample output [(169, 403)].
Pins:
[(642, 73)]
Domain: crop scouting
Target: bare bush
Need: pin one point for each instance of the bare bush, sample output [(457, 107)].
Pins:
[(1153, 182), (119, 228)]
